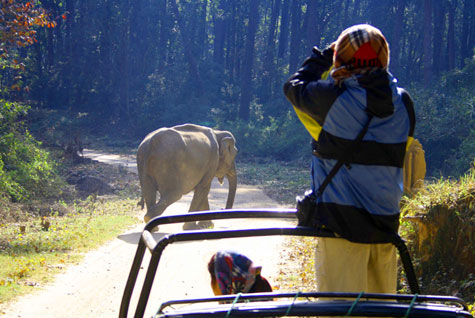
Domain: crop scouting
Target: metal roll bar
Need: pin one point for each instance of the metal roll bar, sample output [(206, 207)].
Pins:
[(147, 241)]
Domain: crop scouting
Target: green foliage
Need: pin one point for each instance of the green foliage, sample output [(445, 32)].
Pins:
[(446, 122), (26, 170), (282, 138)]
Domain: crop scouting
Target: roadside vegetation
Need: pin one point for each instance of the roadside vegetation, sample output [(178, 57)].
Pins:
[(439, 223), (44, 230), (50, 211), (33, 251)]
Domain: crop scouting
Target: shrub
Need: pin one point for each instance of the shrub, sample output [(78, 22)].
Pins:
[(446, 122), (439, 222), (26, 170), (282, 138)]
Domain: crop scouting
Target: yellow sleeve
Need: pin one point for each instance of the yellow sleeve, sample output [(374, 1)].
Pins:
[(309, 123)]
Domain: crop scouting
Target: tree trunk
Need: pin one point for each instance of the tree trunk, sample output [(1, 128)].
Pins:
[(239, 47), (471, 29), (396, 35), (269, 62), (451, 36), (162, 33), (247, 66), (295, 35), (79, 53), (48, 5), (219, 34), (202, 36), (439, 22), (464, 41), (122, 112), (312, 25), (68, 48), (356, 10), (106, 54), (345, 14), (39, 70), (427, 42), (190, 59), (272, 32), (58, 31), (231, 40), (284, 29)]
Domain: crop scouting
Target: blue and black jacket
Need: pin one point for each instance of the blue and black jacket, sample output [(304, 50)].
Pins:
[(361, 203)]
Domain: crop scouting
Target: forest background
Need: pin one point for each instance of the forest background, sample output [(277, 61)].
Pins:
[(121, 69)]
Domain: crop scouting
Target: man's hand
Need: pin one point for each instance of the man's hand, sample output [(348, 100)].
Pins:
[(328, 54), (325, 56)]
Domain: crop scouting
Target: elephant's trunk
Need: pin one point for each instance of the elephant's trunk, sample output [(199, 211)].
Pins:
[(232, 180)]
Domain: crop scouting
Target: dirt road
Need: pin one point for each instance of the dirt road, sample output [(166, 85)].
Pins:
[(94, 287)]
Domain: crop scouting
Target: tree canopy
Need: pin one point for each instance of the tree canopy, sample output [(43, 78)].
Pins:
[(133, 66)]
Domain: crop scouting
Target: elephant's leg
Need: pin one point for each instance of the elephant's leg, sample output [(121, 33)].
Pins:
[(200, 198), (166, 199), (200, 202)]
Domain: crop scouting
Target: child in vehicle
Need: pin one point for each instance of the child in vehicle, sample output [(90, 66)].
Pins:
[(233, 273)]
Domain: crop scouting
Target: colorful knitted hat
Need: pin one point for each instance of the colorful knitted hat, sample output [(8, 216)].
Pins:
[(234, 272), (360, 47)]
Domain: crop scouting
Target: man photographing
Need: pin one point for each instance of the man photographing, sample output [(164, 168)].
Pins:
[(361, 202)]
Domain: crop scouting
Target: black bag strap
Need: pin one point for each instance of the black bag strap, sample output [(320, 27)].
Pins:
[(345, 158), (411, 277)]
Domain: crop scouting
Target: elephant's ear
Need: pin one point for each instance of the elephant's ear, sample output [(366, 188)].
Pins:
[(227, 150)]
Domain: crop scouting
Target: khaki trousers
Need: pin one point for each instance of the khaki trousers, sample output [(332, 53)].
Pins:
[(343, 266)]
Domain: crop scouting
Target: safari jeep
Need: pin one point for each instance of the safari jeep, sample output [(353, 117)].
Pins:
[(293, 304)]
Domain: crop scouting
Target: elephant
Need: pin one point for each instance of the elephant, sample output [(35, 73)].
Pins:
[(177, 160)]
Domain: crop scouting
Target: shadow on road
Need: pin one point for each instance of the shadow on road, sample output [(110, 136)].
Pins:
[(133, 237)]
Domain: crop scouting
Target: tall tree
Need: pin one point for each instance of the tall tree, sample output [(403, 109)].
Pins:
[(312, 24), (269, 60), (467, 14), (123, 110), (69, 49), (427, 41), (439, 21), (247, 66), (192, 66), (219, 24), (231, 38), (451, 35), (399, 8), (112, 58), (163, 33), (18, 24), (202, 36), (295, 36), (284, 29)]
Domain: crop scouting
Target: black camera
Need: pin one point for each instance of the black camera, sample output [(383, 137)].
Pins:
[(307, 209)]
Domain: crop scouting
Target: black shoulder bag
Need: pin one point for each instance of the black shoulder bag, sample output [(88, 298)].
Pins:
[(307, 204)]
